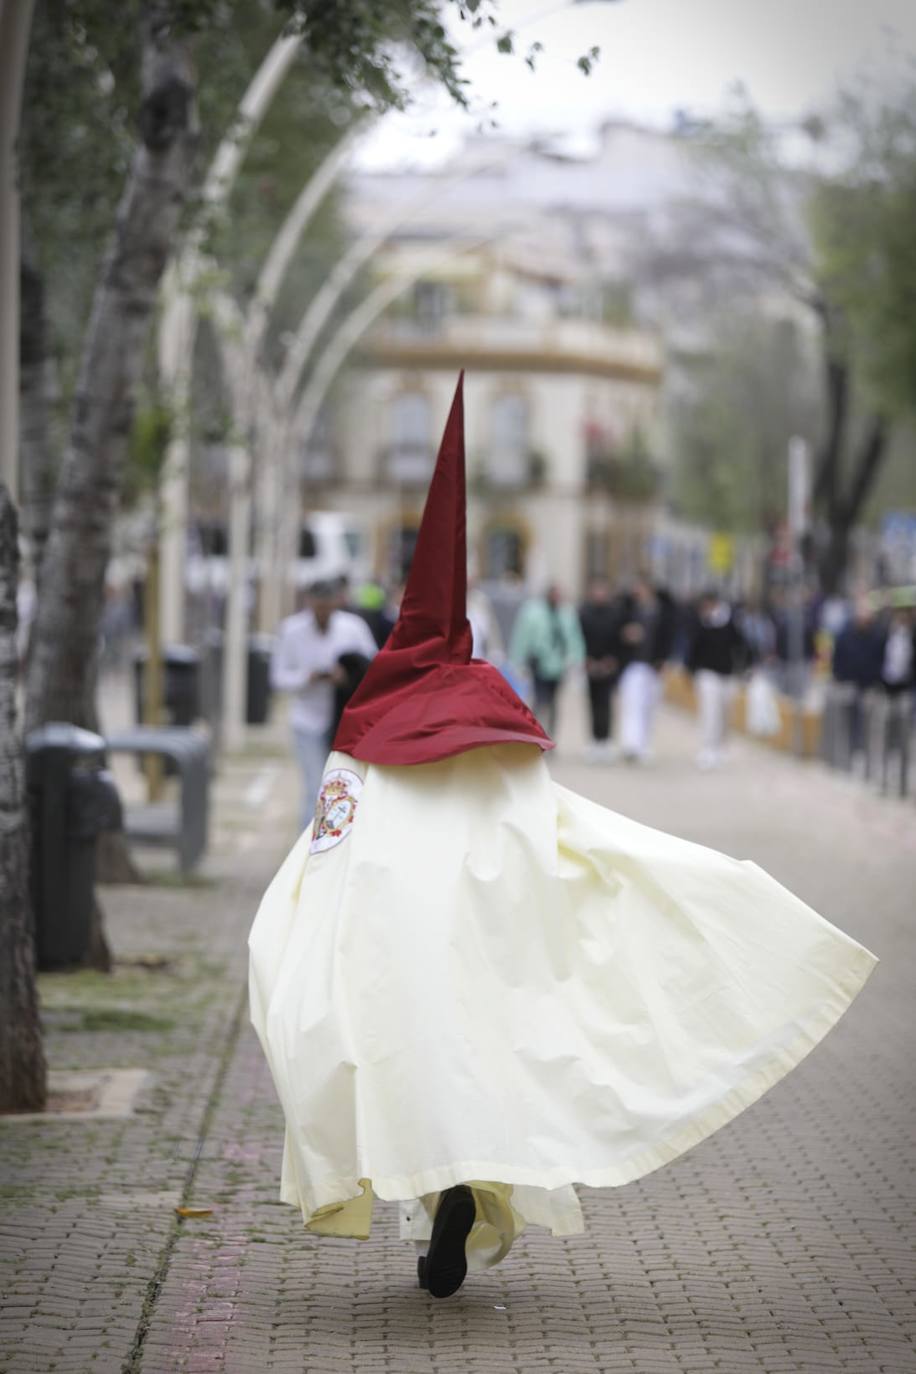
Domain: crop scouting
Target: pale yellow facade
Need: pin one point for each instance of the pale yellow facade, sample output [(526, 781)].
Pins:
[(545, 395)]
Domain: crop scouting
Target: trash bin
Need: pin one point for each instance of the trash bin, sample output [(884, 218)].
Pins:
[(72, 798), (211, 680), (181, 684), (260, 650)]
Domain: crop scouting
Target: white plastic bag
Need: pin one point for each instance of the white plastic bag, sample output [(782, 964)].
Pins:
[(763, 716)]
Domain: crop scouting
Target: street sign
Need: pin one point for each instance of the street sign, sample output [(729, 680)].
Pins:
[(720, 553), (898, 544)]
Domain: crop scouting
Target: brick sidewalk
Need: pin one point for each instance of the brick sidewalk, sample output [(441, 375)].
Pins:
[(88, 1207), (783, 1243)]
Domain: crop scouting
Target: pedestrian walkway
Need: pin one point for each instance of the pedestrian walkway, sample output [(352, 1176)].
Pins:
[(783, 1243)]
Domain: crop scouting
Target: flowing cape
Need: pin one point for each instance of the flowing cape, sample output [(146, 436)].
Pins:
[(479, 976)]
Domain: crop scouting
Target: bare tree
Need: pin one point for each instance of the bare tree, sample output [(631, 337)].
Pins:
[(747, 233)]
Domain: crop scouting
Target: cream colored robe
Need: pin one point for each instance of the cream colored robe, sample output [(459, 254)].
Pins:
[(479, 976)]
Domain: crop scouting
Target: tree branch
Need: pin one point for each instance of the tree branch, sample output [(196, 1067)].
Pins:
[(826, 478), (868, 465)]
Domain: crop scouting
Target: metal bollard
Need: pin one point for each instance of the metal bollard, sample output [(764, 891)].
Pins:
[(899, 730), (874, 707), (840, 712)]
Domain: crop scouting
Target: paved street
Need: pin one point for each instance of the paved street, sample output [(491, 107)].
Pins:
[(784, 1243)]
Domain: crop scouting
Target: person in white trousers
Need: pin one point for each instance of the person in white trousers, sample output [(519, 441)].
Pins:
[(646, 639), (306, 663), (717, 653)]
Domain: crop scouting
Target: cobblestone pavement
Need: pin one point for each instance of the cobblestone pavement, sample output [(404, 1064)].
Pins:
[(786, 1242)]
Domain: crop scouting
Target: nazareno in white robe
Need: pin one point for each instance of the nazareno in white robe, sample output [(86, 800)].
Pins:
[(479, 976)]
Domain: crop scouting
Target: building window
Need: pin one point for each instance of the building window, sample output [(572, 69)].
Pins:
[(597, 554), (318, 451), (431, 303), (401, 548), (504, 548), (508, 465), (409, 458)]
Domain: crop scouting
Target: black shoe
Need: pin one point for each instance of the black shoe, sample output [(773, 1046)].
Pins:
[(443, 1270)]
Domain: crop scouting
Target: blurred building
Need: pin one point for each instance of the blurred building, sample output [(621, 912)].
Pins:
[(566, 436), (562, 420)]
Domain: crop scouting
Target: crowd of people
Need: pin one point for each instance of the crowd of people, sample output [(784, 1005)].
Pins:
[(624, 643), (618, 644)]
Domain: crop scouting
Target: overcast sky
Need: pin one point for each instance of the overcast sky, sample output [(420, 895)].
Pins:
[(656, 56)]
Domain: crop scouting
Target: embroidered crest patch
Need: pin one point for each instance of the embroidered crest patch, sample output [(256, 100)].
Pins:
[(335, 808)]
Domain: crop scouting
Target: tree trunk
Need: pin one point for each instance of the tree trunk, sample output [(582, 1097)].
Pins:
[(61, 684), (36, 456), (827, 476), (833, 560), (848, 508), (868, 464), (22, 1062), (15, 26)]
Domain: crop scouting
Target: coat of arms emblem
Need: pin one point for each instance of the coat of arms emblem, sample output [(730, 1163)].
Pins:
[(335, 808)]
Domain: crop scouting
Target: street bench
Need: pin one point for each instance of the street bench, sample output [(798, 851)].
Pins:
[(182, 827)]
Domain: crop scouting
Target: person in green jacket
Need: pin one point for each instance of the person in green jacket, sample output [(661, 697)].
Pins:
[(546, 642)]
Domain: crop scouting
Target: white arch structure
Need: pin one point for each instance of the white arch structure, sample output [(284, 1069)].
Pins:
[(298, 426), (281, 251), (253, 396), (179, 323), (276, 456)]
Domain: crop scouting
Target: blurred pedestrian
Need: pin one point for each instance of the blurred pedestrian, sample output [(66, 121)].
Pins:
[(758, 628), (307, 663), (794, 674), (717, 652), (507, 596), (898, 656), (647, 627), (599, 618), (859, 649), (858, 655), (116, 626), (486, 636), (547, 642)]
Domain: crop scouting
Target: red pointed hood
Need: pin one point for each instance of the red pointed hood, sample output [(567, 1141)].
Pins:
[(423, 697)]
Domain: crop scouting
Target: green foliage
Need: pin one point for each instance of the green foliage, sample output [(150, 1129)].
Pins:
[(153, 424), (864, 224), (353, 43), (117, 1019), (628, 474), (82, 93), (306, 120), (76, 142), (837, 236), (588, 60), (730, 430)]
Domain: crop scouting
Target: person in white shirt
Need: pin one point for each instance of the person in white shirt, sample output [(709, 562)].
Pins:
[(306, 663)]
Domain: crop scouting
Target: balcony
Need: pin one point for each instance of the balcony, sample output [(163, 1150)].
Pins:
[(630, 477), (497, 342), (510, 470)]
